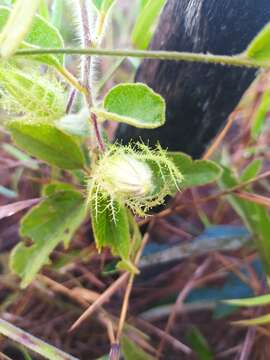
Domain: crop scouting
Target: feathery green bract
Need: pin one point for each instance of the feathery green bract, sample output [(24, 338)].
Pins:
[(33, 95), (110, 222), (143, 179)]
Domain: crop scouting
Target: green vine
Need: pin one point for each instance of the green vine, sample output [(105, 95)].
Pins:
[(238, 60)]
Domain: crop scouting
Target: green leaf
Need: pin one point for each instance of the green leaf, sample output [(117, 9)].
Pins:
[(133, 104), (199, 345), (55, 186), (46, 142), (143, 3), (195, 172), (42, 34), (45, 35), (254, 216), (25, 354), (249, 302), (57, 13), (259, 48), (251, 170), (103, 5), (53, 221), (110, 224), (229, 180), (143, 29), (261, 320), (17, 26), (260, 115), (43, 9), (132, 351), (126, 265)]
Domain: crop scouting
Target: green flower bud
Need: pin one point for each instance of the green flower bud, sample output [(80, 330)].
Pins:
[(137, 177), (126, 176)]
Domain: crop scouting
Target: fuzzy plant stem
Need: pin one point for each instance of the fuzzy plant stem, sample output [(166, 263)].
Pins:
[(97, 132), (238, 60), (87, 69), (87, 43)]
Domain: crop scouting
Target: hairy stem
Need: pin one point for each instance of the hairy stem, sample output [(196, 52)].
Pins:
[(238, 60), (87, 43), (87, 68), (97, 132)]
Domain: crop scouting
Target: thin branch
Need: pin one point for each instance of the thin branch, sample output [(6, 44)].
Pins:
[(255, 198), (101, 300), (235, 189), (179, 302), (248, 344), (97, 132), (71, 99), (214, 146), (238, 60), (124, 309), (175, 343)]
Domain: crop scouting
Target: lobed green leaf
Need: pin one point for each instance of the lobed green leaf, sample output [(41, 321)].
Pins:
[(53, 221)]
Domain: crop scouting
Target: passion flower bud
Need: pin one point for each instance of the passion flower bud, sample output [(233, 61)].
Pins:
[(135, 176), (17, 26), (126, 176)]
